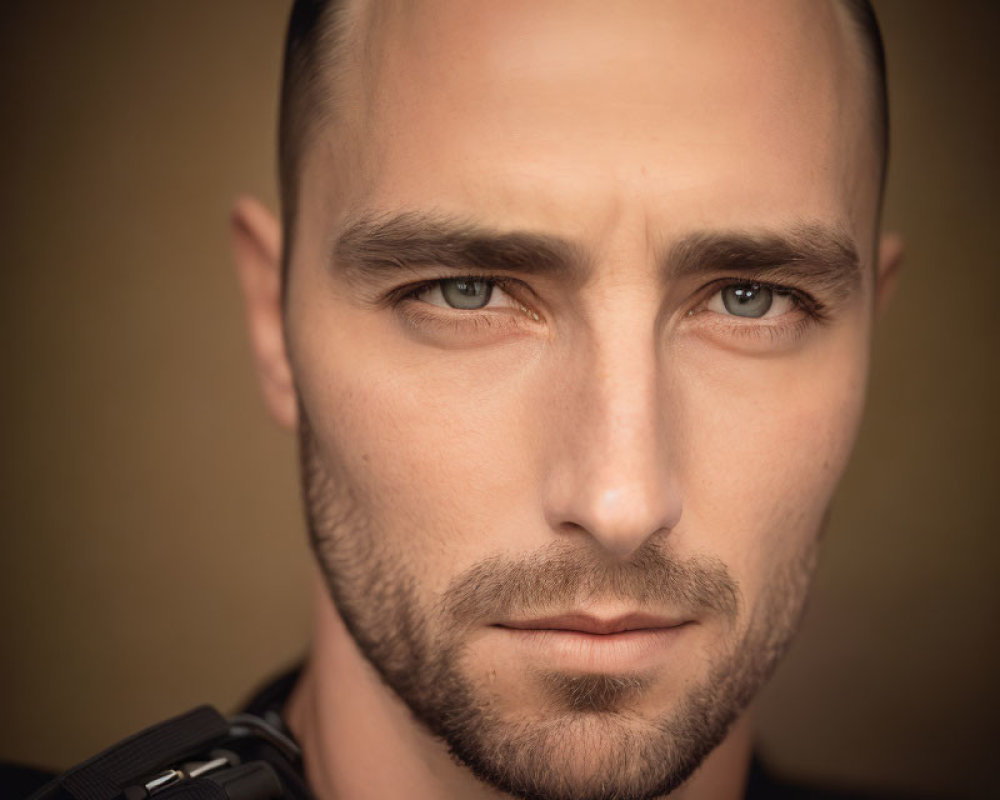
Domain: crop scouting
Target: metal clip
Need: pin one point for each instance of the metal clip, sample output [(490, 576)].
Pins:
[(193, 769), (163, 780)]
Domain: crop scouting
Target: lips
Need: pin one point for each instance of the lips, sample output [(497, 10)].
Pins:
[(597, 626)]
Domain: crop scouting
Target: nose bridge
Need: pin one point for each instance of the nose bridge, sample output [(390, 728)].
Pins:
[(621, 399), (613, 476)]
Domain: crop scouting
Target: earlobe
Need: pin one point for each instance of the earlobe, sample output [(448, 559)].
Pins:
[(890, 258), (256, 240)]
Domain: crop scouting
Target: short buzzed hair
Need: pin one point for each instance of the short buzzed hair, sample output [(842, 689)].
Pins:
[(314, 42), (318, 31), (862, 14)]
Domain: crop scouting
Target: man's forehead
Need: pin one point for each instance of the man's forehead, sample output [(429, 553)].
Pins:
[(540, 36), (656, 96)]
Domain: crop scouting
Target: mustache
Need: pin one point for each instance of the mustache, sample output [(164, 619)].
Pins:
[(561, 577)]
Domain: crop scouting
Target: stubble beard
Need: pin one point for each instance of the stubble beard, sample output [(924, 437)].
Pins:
[(592, 747)]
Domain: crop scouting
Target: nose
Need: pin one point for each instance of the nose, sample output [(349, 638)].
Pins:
[(611, 467)]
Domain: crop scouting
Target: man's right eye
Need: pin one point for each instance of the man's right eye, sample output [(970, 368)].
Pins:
[(464, 305), (471, 293)]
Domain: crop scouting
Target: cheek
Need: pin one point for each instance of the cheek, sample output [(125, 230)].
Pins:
[(765, 443), (425, 444)]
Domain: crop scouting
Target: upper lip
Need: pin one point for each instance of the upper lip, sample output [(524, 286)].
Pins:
[(585, 623)]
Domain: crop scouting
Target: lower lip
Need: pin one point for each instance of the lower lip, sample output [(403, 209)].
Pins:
[(595, 652)]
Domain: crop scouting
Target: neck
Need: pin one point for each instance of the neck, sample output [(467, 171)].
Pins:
[(360, 741)]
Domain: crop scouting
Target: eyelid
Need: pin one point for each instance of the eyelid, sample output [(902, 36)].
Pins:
[(497, 290), (761, 335), (511, 287), (410, 290), (803, 300)]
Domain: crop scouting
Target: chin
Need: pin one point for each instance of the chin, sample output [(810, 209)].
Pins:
[(589, 755)]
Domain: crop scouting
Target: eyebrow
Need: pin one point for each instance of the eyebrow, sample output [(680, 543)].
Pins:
[(824, 257), (380, 246)]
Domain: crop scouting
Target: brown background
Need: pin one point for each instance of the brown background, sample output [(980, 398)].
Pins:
[(153, 554)]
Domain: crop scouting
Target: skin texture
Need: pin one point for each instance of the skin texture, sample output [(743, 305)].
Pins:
[(604, 438)]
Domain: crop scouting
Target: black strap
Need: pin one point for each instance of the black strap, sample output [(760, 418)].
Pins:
[(103, 776)]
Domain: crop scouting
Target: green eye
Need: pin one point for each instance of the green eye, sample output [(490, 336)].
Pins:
[(747, 299), (466, 294)]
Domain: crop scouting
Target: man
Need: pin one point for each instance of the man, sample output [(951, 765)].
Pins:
[(570, 307), (571, 314)]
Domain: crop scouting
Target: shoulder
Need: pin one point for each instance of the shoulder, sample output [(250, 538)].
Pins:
[(199, 754), (194, 754)]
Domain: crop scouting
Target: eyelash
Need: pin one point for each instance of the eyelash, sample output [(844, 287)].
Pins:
[(411, 290), (460, 319), (808, 309)]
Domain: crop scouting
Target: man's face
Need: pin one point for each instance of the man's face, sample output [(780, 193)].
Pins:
[(578, 313)]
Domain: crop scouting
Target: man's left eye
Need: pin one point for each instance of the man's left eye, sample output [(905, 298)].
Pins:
[(466, 294), (751, 300)]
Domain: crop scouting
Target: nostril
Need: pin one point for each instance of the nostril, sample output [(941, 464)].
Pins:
[(622, 519)]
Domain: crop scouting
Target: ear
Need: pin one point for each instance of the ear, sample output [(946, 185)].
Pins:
[(256, 239), (890, 257)]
